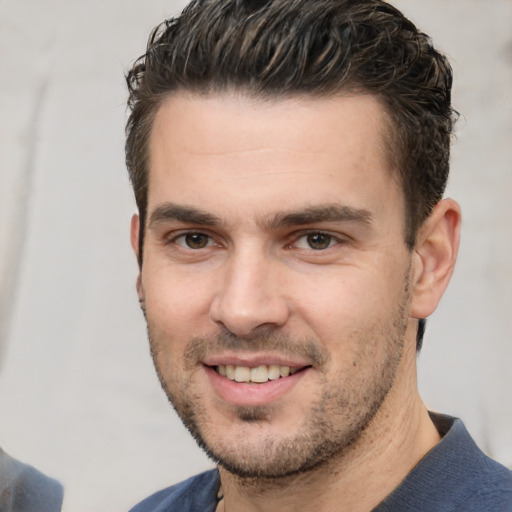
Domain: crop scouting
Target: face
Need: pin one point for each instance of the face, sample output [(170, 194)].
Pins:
[(276, 278)]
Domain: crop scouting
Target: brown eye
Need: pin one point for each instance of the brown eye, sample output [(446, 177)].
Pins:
[(319, 241), (196, 240)]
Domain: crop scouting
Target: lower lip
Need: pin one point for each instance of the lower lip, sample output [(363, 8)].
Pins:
[(250, 394)]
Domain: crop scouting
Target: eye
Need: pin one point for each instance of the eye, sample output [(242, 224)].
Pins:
[(193, 241), (316, 241)]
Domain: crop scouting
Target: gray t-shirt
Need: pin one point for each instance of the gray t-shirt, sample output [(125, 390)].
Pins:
[(455, 476)]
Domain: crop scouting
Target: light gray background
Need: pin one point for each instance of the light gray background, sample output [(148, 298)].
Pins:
[(78, 395)]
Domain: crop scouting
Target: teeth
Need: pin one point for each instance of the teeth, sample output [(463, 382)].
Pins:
[(284, 371), (242, 374), (230, 372), (259, 374), (273, 372)]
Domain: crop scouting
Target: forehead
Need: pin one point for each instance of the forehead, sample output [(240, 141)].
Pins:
[(237, 117), (299, 149)]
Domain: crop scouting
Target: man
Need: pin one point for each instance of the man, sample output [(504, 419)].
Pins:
[(289, 160)]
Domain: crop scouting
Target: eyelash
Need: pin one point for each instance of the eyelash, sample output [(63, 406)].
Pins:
[(184, 236), (328, 239)]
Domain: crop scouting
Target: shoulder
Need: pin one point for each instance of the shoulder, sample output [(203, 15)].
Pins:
[(455, 476), (25, 489), (484, 484), (197, 493), (477, 481)]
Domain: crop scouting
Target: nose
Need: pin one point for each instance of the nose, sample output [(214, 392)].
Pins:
[(251, 296)]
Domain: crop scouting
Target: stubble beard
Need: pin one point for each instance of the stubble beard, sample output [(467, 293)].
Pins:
[(338, 417)]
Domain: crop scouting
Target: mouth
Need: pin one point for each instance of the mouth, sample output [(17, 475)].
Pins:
[(257, 375), (255, 381)]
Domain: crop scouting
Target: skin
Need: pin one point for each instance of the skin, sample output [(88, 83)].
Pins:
[(275, 233)]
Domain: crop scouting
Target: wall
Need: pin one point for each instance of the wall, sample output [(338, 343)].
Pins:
[(78, 394)]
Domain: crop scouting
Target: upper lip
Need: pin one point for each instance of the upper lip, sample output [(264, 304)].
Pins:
[(255, 360)]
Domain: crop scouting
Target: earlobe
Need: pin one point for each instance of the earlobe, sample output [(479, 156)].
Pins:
[(435, 254)]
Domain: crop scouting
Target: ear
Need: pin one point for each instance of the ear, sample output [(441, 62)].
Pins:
[(134, 239), (134, 234), (436, 250)]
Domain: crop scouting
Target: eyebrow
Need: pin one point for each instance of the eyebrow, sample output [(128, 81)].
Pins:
[(171, 212), (324, 213)]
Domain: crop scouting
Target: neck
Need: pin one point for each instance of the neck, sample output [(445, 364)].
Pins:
[(358, 479)]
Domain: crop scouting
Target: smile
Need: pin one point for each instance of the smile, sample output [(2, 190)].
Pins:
[(253, 383), (259, 374)]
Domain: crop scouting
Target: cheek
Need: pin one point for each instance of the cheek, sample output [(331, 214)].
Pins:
[(338, 299), (176, 305), (351, 308)]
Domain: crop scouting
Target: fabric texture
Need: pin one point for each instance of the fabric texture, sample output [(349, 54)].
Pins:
[(455, 476), (25, 489)]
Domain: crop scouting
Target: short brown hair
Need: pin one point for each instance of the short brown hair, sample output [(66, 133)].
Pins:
[(271, 48)]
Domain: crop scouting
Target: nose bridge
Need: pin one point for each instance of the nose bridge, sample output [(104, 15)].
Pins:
[(249, 294)]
